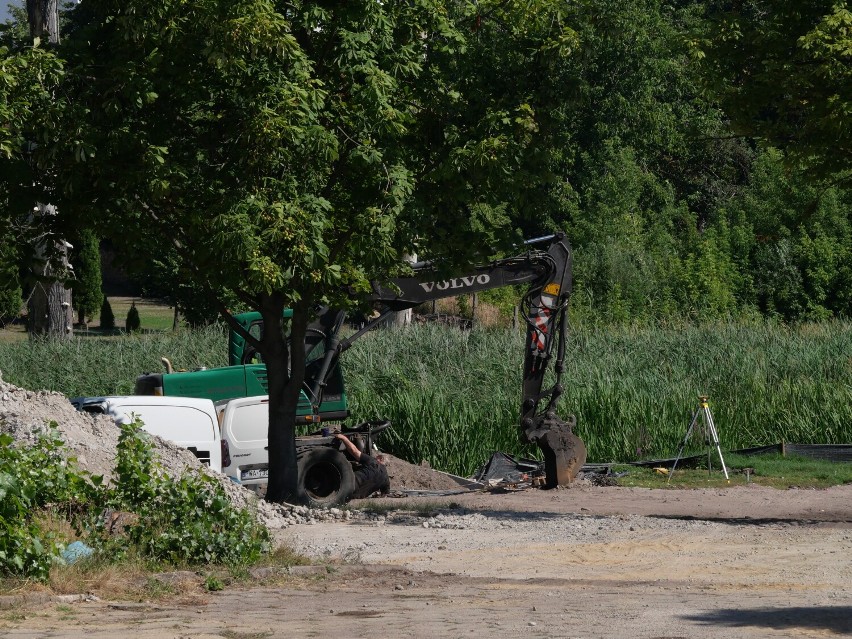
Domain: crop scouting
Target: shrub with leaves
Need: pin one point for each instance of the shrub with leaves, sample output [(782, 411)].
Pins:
[(132, 322), (179, 521), (30, 479), (107, 320)]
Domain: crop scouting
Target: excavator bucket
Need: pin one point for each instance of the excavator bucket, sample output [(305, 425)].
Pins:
[(564, 456)]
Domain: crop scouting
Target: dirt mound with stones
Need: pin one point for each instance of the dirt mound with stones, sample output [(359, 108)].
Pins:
[(92, 439), (406, 476)]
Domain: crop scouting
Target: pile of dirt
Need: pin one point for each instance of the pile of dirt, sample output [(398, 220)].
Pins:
[(406, 476), (92, 439)]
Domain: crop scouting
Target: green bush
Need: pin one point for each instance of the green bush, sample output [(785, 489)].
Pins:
[(132, 323), (10, 286), (107, 319), (87, 296), (10, 302), (187, 520), (30, 479)]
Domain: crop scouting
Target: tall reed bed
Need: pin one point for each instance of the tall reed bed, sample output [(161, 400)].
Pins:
[(107, 365), (454, 396)]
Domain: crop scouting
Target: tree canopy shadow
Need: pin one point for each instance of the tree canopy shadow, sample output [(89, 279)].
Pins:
[(835, 619)]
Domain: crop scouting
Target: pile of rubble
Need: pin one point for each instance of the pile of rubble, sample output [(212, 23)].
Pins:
[(92, 440)]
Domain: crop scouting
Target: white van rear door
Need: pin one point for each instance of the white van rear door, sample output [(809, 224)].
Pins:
[(246, 432)]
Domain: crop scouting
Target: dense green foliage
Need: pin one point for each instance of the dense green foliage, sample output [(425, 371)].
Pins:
[(627, 122), (86, 259), (29, 77), (453, 396), (31, 478), (10, 286), (107, 317), (783, 72), (187, 520), (179, 520), (288, 153)]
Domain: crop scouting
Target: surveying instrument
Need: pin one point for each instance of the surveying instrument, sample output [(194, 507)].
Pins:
[(711, 436)]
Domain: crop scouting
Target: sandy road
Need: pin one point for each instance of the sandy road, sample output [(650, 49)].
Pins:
[(590, 563)]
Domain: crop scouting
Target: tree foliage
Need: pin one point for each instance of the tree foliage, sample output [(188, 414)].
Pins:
[(784, 73), (10, 285), (86, 260), (132, 323), (107, 317), (291, 153)]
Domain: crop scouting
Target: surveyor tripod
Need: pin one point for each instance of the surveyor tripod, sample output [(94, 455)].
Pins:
[(711, 436)]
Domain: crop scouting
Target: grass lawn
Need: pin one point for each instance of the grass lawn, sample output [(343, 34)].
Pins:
[(765, 470), (154, 315)]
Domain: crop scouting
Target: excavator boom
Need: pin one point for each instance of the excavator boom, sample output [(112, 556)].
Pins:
[(547, 272)]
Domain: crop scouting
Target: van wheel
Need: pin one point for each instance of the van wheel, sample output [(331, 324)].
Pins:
[(325, 477)]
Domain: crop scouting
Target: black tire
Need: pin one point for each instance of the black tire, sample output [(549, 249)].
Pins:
[(325, 477)]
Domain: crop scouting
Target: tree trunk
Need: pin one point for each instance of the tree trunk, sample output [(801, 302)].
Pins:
[(50, 311), (43, 17), (403, 318), (284, 390), (49, 306)]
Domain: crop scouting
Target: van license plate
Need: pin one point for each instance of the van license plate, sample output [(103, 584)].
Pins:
[(255, 473)]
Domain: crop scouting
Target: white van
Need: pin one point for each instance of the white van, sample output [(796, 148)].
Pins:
[(187, 421), (244, 425)]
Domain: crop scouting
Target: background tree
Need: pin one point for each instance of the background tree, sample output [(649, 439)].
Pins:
[(291, 156), (162, 277), (783, 70), (86, 259), (132, 323), (28, 78), (107, 317), (11, 299)]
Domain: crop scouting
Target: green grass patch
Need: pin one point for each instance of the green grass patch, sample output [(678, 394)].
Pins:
[(153, 314), (773, 471), (107, 365)]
